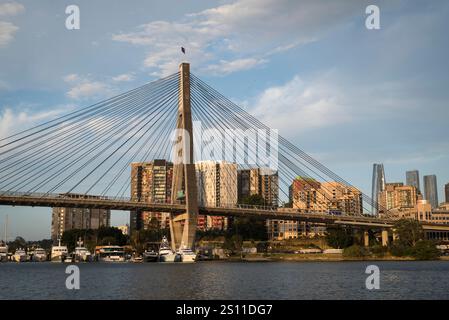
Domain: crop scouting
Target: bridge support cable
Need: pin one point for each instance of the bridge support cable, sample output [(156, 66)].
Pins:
[(206, 114), (104, 138), (130, 133), (93, 112), (231, 114), (298, 152), (122, 125), (154, 150), (75, 114), (72, 146), (150, 133)]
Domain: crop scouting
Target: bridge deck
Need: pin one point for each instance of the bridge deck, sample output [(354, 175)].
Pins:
[(126, 204)]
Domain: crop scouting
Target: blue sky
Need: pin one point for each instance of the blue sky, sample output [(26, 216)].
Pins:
[(347, 95)]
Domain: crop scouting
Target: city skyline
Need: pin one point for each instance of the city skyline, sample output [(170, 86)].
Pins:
[(295, 75)]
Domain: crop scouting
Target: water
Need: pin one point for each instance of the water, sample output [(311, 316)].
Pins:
[(224, 280)]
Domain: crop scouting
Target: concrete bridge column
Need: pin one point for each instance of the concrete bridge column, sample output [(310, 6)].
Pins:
[(395, 235), (366, 238), (384, 238)]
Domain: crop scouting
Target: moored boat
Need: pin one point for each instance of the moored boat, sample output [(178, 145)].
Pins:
[(150, 256), (185, 255), (39, 255), (3, 252), (111, 254), (166, 254), (20, 255), (59, 253), (82, 254)]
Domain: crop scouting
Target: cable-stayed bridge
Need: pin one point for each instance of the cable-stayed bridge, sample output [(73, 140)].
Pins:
[(83, 159)]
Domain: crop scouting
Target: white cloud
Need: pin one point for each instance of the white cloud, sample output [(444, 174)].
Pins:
[(11, 122), (83, 87), (300, 106), (7, 30), (71, 77), (241, 30), (123, 77), (226, 67), (11, 8), (88, 89)]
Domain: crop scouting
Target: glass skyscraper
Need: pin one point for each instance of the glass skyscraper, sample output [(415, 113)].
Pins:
[(412, 179), (431, 190), (378, 185)]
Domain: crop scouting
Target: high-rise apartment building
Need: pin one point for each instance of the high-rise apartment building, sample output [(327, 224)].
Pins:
[(431, 190), (378, 185), (65, 219), (397, 196), (310, 195), (412, 179), (150, 182), (446, 192), (263, 182), (217, 187)]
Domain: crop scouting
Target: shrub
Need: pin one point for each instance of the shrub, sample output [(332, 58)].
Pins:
[(425, 250), (378, 250), (354, 251), (400, 250)]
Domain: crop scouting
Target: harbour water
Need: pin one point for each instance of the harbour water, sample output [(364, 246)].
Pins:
[(227, 280)]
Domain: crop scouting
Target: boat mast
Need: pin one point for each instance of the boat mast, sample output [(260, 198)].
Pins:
[(6, 229)]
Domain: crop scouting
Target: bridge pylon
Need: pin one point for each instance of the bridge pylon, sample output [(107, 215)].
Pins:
[(183, 225)]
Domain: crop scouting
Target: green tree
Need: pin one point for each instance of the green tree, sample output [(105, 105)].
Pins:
[(409, 232), (339, 237), (113, 235), (250, 228), (355, 251), (425, 250)]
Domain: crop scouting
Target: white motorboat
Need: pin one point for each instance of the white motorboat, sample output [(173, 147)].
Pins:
[(3, 245), (185, 255), (20, 255), (82, 254), (39, 255), (166, 254), (111, 254), (59, 253), (3, 252), (150, 256)]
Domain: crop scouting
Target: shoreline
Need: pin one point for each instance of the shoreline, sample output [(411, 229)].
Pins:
[(319, 258)]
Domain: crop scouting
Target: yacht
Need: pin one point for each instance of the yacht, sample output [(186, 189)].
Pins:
[(20, 255), (3, 246), (81, 253), (185, 255), (3, 251), (111, 254), (68, 259), (59, 253), (150, 256), (39, 255), (137, 259), (166, 254)]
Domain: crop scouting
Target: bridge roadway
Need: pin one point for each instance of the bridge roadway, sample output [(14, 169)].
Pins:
[(126, 204)]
